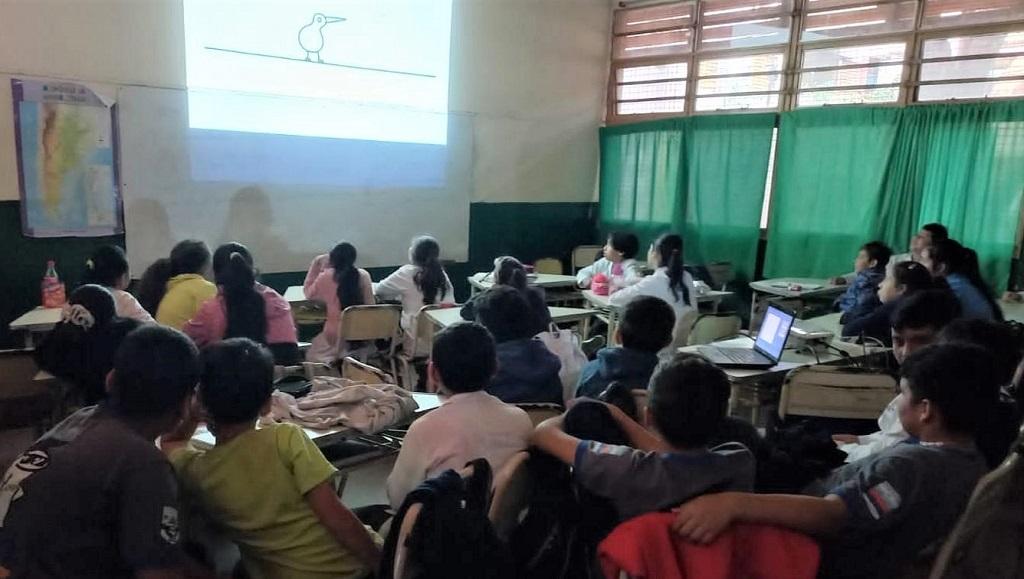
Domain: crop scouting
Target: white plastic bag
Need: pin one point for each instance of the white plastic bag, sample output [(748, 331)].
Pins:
[(566, 345)]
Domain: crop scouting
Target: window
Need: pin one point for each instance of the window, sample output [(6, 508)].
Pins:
[(703, 56)]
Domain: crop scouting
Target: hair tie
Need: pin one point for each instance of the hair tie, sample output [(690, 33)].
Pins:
[(89, 264), (77, 315)]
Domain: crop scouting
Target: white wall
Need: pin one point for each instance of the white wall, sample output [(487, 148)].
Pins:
[(532, 72)]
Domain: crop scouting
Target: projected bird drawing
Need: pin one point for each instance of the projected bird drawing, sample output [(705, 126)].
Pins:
[(311, 36)]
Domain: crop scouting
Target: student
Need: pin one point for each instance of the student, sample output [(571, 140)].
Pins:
[(916, 323), (509, 271), (645, 328), (94, 497), (173, 288), (617, 262), (669, 281), (417, 284), (108, 267), (901, 281), (244, 308), (669, 463), (958, 265), (527, 370), (929, 234), (335, 280), (879, 513), (469, 424), (270, 487), (80, 349), (861, 298)]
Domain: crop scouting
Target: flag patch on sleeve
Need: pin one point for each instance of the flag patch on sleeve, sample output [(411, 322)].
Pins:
[(881, 499)]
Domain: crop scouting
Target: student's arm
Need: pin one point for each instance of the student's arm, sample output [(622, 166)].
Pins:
[(411, 465), (549, 437), (131, 308), (201, 328), (704, 518), (315, 269), (623, 296), (393, 285), (631, 272), (639, 437), (344, 526), (584, 275)]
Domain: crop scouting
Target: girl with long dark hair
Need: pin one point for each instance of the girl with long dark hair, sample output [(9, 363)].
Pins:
[(421, 282), (108, 267), (173, 288), (334, 279), (244, 308), (509, 271), (958, 265), (670, 281)]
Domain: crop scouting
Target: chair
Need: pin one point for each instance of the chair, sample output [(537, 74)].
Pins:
[(683, 328), (710, 327), (549, 265), (355, 370), (836, 392), (986, 540), (584, 255), (512, 485), (373, 322), (721, 274), (423, 331), (403, 567)]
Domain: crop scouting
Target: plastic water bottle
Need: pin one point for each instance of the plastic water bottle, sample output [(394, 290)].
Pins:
[(52, 288)]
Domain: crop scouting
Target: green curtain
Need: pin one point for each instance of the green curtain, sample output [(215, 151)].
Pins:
[(848, 175), (702, 177)]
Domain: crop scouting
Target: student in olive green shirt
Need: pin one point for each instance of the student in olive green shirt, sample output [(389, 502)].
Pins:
[(269, 487)]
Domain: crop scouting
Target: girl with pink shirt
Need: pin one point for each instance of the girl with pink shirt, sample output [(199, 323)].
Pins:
[(335, 280), (244, 308)]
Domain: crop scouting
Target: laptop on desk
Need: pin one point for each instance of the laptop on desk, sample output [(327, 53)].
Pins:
[(767, 350)]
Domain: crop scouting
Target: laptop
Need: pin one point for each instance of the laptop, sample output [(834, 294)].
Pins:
[(767, 351)]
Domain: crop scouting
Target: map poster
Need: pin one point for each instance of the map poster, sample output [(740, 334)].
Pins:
[(66, 139)]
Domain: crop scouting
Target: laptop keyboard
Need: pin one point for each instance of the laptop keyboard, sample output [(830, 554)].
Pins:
[(739, 355)]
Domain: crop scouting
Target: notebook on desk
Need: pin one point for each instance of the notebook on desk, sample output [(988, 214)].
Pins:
[(768, 346)]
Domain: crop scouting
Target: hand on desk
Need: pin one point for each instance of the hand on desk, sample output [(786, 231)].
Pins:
[(844, 438), (837, 281)]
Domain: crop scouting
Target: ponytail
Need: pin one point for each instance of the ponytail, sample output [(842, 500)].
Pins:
[(189, 256), (346, 275), (510, 271), (429, 279), (669, 248), (107, 265), (246, 311)]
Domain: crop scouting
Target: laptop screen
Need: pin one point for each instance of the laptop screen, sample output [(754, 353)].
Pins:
[(771, 338)]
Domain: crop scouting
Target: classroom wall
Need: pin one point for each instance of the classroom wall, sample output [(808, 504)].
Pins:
[(531, 72)]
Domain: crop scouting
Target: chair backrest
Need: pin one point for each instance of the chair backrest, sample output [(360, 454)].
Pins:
[(403, 567), (986, 541), (683, 328), (549, 265), (424, 329), (375, 322), (584, 255), (721, 273), (709, 328), (836, 392), (512, 485), (355, 370)]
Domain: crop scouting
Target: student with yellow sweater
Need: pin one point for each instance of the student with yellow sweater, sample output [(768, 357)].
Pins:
[(269, 488), (173, 288)]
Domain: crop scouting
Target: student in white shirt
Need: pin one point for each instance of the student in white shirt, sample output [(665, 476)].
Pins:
[(670, 281), (470, 423), (617, 264), (108, 267), (417, 284)]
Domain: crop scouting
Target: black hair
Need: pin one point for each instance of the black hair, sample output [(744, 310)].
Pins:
[(646, 324), (964, 261), (926, 309), (426, 254), (346, 275), (504, 311), (510, 271), (913, 276), (465, 356), (995, 337), (669, 248), (246, 311), (938, 231), (959, 379), (878, 252), (625, 243), (155, 370), (189, 256), (236, 381), (106, 266), (83, 357), (688, 400)]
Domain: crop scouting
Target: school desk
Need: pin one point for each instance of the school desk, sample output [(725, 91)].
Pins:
[(483, 280), (444, 317), (36, 321), (610, 314)]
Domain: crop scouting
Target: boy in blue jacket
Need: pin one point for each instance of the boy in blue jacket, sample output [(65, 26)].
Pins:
[(861, 298)]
